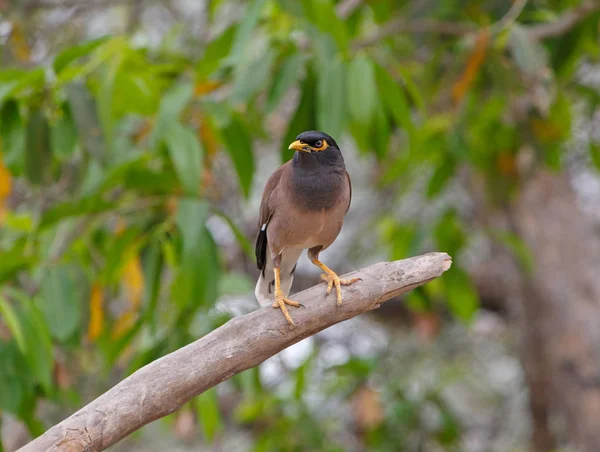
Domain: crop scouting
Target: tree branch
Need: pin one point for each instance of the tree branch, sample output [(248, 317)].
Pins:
[(164, 385), (560, 26), (565, 22)]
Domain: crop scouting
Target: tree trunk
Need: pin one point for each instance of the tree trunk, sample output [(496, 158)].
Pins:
[(560, 310)]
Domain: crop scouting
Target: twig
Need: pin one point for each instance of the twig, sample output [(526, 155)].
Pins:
[(164, 385), (541, 31), (565, 22)]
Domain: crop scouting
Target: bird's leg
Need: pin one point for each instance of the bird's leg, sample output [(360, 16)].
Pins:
[(331, 278), (280, 299)]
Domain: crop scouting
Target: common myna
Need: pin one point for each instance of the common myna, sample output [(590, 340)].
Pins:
[(303, 207)]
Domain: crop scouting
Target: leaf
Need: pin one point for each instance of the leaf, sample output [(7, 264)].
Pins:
[(520, 250), (394, 99), (215, 52), (69, 55), (462, 296), (197, 277), (14, 260), (595, 154), (245, 30), (327, 21), (12, 137), (362, 90), (64, 134), (61, 301), (285, 78), (173, 103), (380, 137), (96, 323), (472, 67), (37, 148), (251, 77), (85, 206), (441, 176), (238, 143), (529, 54), (246, 246), (186, 155), (11, 378), (207, 410), (133, 280), (85, 116), (5, 189), (104, 100), (304, 117), (11, 319), (331, 103)]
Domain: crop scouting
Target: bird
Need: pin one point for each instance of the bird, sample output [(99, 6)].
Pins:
[(303, 206)]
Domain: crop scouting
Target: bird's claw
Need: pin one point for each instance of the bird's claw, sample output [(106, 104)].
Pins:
[(281, 301), (333, 280)]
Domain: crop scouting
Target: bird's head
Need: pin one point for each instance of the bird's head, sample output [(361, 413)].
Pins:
[(313, 141)]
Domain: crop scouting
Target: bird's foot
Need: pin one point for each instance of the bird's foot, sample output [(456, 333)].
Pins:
[(281, 301), (332, 279)]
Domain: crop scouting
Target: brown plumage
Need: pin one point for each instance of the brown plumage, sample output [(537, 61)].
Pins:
[(303, 207)]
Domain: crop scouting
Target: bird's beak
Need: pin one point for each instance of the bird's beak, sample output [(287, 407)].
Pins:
[(298, 146)]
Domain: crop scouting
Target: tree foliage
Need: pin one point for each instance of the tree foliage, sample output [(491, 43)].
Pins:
[(106, 255)]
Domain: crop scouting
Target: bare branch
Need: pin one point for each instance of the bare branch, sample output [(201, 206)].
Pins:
[(164, 385), (565, 22), (541, 31)]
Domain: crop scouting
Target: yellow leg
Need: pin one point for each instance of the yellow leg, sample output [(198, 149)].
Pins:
[(281, 300), (333, 279)]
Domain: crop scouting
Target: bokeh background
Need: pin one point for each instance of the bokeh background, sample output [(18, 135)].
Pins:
[(136, 137)]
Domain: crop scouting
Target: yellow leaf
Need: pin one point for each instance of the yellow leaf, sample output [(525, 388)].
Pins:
[(123, 324), (5, 189), (474, 63), (18, 43), (206, 87), (96, 313), (133, 280)]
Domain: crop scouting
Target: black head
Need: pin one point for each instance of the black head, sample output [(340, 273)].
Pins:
[(313, 141)]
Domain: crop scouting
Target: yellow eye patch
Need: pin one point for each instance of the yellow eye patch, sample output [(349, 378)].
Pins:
[(323, 146)]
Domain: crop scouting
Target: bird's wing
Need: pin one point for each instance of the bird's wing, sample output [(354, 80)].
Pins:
[(264, 217), (350, 188)]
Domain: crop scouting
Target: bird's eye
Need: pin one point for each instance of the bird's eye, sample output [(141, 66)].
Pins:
[(319, 143)]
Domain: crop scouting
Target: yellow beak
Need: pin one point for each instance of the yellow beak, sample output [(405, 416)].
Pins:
[(298, 146)]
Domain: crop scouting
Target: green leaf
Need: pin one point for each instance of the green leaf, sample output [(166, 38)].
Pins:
[(67, 56), (85, 116), (381, 133), (362, 90), (11, 378), (64, 134), (85, 206), (171, 106), (37, 148), (245, 31), (328, 22), (331, 103), (520, 250), (197, 278), (39, 345), (104, 101), (529, 54), (207, 409), (12, 137), (595, 154), (186, 155), (239, 234), (304, 117), (215, 52), (238, 143), (462, 296), (14, 260), (61, 301), (14, 325), (285, 78), (394, 99), (441, 176), (252, 77), (449, 233)]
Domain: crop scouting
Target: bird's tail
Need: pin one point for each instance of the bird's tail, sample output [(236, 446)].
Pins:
[(265, 286)]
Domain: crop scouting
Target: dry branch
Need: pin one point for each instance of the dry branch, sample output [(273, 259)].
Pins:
[(164, 385)]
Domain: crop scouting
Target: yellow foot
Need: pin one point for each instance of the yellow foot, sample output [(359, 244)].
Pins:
[(281, 301), (334, 280)]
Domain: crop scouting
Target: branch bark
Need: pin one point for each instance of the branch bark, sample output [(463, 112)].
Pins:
[(164, 385), (560, 26)]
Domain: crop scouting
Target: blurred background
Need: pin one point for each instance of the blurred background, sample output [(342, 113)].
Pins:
[(136, 137)]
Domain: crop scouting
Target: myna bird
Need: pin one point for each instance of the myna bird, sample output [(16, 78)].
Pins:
[(303, 207)]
